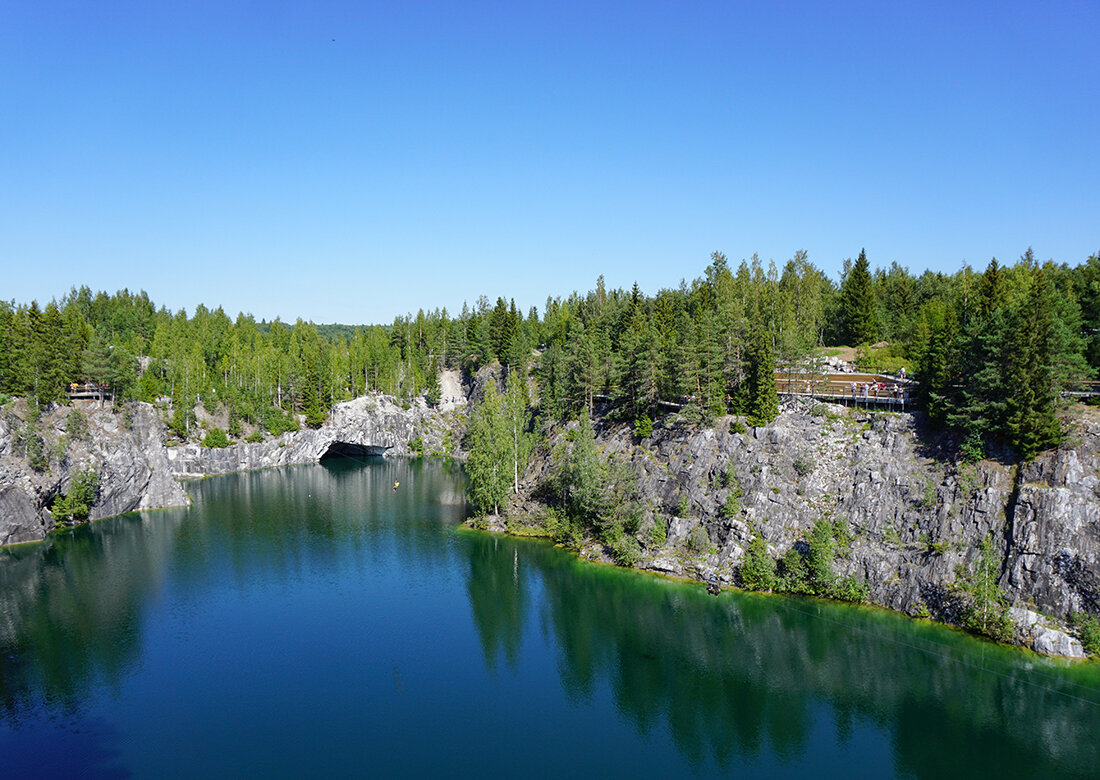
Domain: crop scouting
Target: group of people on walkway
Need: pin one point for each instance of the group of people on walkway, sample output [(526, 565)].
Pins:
[(877, 390)]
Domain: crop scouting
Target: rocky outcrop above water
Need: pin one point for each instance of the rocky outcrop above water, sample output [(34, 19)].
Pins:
[(914, 516), (131, 461), (138, 470), (369, 425)]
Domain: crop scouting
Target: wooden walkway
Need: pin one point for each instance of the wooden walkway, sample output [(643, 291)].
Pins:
[(1085, 388), (89, 391), (882, 391), (878, 391)]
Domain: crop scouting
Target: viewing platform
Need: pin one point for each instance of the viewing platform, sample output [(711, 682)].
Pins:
[(90, 391), (880, 391), (1084, 388)]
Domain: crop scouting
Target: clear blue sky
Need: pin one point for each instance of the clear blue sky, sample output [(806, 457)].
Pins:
[(352, 161)]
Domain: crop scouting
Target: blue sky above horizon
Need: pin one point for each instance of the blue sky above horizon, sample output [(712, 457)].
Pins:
[(348, 162)]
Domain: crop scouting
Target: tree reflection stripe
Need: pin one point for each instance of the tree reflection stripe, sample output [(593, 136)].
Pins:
[(786, 602)]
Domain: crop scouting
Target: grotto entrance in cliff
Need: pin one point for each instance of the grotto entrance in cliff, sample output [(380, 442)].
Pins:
[(344, 449)]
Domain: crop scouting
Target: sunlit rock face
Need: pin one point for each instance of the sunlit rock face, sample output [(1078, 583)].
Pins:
[(914, 516), (138, 470), (131, 459), (369, 425)]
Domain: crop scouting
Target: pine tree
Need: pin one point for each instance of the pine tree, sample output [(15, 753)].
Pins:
[(1088, 290), (457, 346), (638, 368), (7, 348), (551, 373), (584, 365), (708, 357)]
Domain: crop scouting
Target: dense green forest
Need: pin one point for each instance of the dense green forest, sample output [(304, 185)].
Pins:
[(992, 348)]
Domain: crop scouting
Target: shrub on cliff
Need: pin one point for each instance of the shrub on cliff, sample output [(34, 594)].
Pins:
[(30, 443), (76, 426), (215, 439), (597, 496), (75, 506), (1088, 631), (732, 507), (820, 555), (758, 569), (985, 606), (793, 576), (807, 567), (624, 548), (278, 422)]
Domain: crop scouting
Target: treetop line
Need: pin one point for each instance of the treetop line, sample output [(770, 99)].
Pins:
[(991, 349)]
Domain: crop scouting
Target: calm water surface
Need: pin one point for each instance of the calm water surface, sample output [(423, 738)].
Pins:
[(310, 621)]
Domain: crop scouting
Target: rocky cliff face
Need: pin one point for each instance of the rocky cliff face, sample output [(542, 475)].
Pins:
[(132, 463), (367, 425), (138, 471), (913, 516)]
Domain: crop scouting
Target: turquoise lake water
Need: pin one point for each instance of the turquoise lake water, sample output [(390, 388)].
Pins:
[(310, 621)]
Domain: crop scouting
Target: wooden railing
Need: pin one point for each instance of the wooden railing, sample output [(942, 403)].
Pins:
[(88, 390)]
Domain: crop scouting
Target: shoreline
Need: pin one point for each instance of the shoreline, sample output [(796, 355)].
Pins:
[(1067, 661)]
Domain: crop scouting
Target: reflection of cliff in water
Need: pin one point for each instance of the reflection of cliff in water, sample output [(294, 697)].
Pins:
[(344, 509), (70, 609), (736, 680), (734, 676)]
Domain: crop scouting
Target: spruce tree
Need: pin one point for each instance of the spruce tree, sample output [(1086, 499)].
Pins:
[(98, 366), (857, 301), (1031, 424), (935, 348), (762, 398), (501, 331)]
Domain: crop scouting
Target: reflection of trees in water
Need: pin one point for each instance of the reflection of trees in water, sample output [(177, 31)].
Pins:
[(732, 675), (300, 519), (498, 599), (731, 678), (70, 609)]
